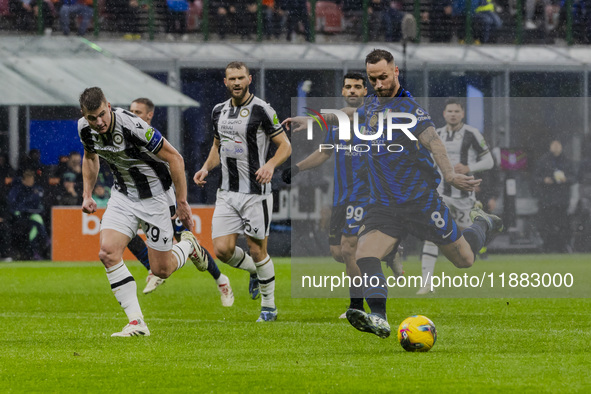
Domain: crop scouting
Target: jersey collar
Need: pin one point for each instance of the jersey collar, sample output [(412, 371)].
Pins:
[(112, 125), (248, 100)]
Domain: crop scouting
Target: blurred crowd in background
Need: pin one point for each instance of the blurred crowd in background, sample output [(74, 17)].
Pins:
[(477, 21)]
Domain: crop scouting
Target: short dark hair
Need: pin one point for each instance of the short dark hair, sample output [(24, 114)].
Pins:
[(454, 100), (238, 66), (92, 98), (147, 102), (378, 55), (355, 76)]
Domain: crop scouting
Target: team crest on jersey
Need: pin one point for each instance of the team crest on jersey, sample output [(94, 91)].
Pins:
[(117, 138), (373, 120), (244, 112)]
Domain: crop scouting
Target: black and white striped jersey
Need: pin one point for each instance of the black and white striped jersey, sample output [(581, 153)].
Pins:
[(244, 134), (130, 147), (466, 146)]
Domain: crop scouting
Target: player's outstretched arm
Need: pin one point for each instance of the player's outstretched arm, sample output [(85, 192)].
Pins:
[(312, 161), (300, 123), (90, 170), (213, 160), (177, 171), (430, 140), (265, 173)]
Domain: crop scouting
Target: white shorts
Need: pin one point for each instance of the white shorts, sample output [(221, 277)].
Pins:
[(153, 214), (460, 209), (238, 213)]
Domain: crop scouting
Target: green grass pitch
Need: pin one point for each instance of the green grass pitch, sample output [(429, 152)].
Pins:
[(56, 320)]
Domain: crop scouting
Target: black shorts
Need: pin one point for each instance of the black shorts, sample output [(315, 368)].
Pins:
[(427, 218), (346, 219)]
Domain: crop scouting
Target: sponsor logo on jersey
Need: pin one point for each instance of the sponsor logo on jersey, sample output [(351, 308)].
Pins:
[(149, 134)]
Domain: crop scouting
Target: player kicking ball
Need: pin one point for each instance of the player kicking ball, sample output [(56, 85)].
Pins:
[(150, 188)]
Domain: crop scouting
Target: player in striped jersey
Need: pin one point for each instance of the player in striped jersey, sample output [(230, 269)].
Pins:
[(144, 109), (469, 154), (150, 188), (244, 126)]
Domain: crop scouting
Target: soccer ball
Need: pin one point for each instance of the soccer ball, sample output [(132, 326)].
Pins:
[(417, 334)]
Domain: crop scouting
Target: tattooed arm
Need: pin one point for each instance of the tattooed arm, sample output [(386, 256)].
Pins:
[(433, 143)]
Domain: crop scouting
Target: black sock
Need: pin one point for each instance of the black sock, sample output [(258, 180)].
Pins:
[(376, 291), (356, 295), (140, 250), (212, 267), (476, 235)]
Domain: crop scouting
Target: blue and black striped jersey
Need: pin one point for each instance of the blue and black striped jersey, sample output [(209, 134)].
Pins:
[(350, 170), (398, 177)]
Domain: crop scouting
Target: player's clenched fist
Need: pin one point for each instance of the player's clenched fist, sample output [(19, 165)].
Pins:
[(88, 205), (199, 177)]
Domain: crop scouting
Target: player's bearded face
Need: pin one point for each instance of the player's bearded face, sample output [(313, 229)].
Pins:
[(237, 82), (383, 77), (354, 91), (99, 119)]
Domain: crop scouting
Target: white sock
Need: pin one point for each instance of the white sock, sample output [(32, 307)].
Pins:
[(222, 280), (428, 259), (125, 290), (266, 274), (242, 260), (181, 252)]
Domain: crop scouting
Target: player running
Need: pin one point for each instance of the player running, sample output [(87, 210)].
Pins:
[(149, 189), (144, 109), (403, 190), (469, 154), (244, 126)]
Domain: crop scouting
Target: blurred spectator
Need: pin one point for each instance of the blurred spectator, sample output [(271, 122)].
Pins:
[(176, 21), (24, 18), (7, 173), (223, 13), (100, 195), (296, 13), (440, 22), (485, 21), (393, 16), (376, 11), (29, 233), (273, 19), (6, 176), (127, 17), (353, 11), (554, 175), (247, 23), (551, 11), (62, 165), (32, 161), (66, 193), (81, 8)]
